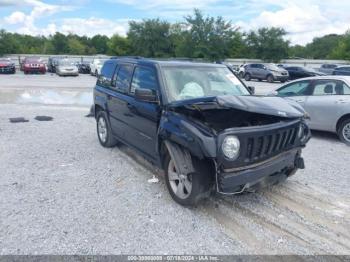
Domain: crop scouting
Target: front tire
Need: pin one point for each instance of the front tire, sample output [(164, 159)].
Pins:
[(344, 131), (104, 131), (247, 77), (190, 189)]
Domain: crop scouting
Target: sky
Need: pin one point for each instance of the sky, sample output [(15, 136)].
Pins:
[(302, 19)]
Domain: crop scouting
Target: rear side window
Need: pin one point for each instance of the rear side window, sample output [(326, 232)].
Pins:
[(144, 78), (123, 80), (325, 87), (107, 72)]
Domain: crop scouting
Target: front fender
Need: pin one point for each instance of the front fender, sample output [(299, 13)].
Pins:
[(176, 128)]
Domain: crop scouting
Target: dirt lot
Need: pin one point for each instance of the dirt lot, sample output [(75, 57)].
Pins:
[(62, 193)]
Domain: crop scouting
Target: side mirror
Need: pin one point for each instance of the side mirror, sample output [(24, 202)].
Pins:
[(147, 95), (251, 89)]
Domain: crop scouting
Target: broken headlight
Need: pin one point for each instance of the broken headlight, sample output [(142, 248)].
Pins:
[(230, 147)]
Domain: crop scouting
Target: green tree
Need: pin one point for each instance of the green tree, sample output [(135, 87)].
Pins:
[(100, 43), (322, 47), (118, 45), (150, 38), (267, 44), (60, 43), (342, 50), (206, 37), (8, 43), (238, 47), (75, 47)]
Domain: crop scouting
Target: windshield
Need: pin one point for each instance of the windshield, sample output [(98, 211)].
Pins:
[(65, 63), (195, 82)]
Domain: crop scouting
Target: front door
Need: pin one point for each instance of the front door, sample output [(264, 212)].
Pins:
[(143, 116)]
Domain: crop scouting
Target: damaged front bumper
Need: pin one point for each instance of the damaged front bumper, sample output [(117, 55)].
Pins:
[(271, 171), (268, 154)]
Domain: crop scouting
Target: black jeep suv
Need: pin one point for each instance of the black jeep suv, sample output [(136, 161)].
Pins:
[(200, 124)]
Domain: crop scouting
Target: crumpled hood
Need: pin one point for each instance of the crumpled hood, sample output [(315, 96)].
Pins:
[(263, 104)]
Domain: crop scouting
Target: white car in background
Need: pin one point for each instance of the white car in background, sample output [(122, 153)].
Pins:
[(96, 66), (327, 101)]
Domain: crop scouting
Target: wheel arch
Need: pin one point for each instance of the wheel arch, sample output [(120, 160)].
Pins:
[(340, 120)]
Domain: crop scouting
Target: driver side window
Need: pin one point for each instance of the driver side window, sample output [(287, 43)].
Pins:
[(294, 89)]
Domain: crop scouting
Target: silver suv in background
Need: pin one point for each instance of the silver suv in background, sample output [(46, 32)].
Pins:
[(269, 72)]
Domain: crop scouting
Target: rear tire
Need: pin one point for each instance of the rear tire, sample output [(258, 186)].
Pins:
[(190, 189), (344, 131), (247, 77), (104, 131), (270, 79)]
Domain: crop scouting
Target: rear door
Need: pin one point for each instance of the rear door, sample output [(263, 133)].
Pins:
[(118, 100), (143, 116), (323, 105)]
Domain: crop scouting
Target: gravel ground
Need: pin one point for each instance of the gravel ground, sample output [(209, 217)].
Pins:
[(62, 193)]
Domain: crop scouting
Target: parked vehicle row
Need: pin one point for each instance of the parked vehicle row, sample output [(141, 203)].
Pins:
[(272, 72)]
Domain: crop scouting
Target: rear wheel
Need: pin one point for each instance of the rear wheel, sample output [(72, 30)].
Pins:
[(270, 78), (189, 189), (247, 77), (344, 131), (104, 131)]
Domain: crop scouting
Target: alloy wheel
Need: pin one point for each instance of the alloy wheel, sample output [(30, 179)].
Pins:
[(180, 184), (102, 129), (346, 132)]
